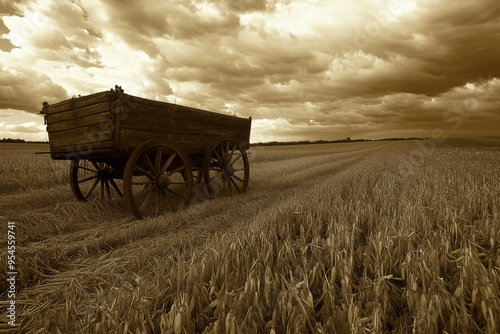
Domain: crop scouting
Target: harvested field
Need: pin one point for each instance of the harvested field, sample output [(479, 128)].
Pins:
[(395, 237)]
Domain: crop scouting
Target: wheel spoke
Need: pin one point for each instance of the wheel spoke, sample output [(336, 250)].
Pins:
[(148, 199), (221, 162), (107, 187), (216, 176), (226, 159), (91, 188), (216, 162), (224, 155), (148, 170), (145, 172), (167, 163), (226, 152), (144, 191), (150, 165), (158, 160), (88, 178), (115, 186), (237, 158), (88, 169), (176, 170), (232, 153), (173, 192), (234, 184), (165, 196), (238, 179), (96, 166)]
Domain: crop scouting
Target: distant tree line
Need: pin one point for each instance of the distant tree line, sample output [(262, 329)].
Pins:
[(271, 143), (20, 141), (346, 140)]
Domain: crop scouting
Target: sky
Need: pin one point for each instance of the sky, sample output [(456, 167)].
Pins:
[(303, 69)]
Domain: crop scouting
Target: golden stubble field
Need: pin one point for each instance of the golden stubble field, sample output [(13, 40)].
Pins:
[(332, 238)]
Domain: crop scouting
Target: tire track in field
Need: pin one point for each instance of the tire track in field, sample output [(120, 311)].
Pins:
[(303, 169), (306, 170), (94, 249)]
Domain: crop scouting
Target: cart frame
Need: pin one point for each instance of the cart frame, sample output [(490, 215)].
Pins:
[(150, 152)]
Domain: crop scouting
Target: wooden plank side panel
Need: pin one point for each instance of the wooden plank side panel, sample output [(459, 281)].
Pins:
[(189, 142), (88, 124), (131, 137), (84, 135), (79, 102), (79, 122), (83, 131), (156, 114), (84, 111), (89, 151), (160, 117), (85, 148), (183, 121)]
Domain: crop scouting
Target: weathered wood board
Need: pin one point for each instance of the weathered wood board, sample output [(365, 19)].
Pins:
[(191, 129), (114, 123)]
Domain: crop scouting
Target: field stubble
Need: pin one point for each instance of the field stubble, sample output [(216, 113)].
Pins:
[(329, 238)]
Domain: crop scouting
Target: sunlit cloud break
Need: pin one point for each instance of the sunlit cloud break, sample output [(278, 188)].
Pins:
[(304, 70)]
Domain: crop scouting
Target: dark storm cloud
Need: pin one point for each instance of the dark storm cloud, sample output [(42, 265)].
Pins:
[(140, 21), (413, 58), (52, 40), (446, 44), (5, 44), (25, 89), (10, 8), (249, 5), (323, 68), (7, 8)]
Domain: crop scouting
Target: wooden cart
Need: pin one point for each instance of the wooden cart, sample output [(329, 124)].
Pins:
[(152, 153)]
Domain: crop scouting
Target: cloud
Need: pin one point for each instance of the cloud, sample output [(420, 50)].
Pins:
[(57, 32), (25, 89), (5, 44), (248, 5), (139, 23), (30, 127), (9, 8), (320, 69), (444, 45)]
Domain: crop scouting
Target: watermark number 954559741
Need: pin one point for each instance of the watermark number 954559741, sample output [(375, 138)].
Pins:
[(11, 272)]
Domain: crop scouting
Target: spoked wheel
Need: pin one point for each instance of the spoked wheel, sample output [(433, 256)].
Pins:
[(157, 178), (90, 180), (225, 168)]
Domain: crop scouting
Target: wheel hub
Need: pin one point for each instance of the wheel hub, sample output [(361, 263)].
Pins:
[(106, 173), (163, 181), (230, 170)]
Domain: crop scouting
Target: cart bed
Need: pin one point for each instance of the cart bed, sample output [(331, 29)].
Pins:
[(112, 124)]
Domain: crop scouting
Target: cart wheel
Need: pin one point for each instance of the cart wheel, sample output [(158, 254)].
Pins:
[(225, 168), (157, 178), (90, 180)]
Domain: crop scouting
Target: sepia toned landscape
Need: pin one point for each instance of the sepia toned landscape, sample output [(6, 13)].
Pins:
[(250, 166), (360, 237)]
